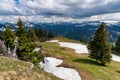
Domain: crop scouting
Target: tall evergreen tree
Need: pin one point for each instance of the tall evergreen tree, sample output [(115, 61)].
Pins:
[(8, 36), (117, 45), (21, 33), (99, 47), (32, 35), (22, 39)]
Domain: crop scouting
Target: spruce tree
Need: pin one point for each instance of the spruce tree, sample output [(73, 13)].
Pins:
[(32, 35), (8, 36), (22, 39), (99, 47), (117, 45), (21, 33)]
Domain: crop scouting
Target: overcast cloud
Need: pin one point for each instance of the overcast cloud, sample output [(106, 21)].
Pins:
[(58, 8)]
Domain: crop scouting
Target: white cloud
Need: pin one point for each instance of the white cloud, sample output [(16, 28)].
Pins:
[(108, 18), (67, 8), (45, 4), (7, 6), (61, 8)]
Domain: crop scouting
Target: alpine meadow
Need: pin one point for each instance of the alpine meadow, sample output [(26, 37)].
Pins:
[(59, 40)]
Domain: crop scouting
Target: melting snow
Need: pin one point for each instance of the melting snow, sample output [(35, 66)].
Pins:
[(36, 50), (115, 58), (79, 48), (50, 65)]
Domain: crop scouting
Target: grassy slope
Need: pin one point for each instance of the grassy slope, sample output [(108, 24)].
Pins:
[(11, 69), (63, 39), (87, 68)]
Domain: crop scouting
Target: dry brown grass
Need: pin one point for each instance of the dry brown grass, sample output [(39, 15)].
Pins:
[(11, 69)]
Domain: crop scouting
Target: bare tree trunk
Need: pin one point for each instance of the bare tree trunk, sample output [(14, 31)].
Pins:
[(9, 52), (14, 52), (15, 49)]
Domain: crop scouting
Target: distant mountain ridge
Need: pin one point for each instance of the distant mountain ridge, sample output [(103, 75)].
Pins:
[(81, 30)]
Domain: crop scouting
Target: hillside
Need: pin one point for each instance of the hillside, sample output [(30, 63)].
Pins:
[(11, 69), (87, 68), (59, 40)]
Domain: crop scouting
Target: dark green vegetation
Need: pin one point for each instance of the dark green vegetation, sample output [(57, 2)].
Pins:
[(9, 37), (24, 41), (31, 35), (99, 47), (117, 47)]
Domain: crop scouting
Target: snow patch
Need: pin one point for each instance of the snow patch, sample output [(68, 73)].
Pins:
[(50, 65), (36, 50), (79, 48), (115, 58)]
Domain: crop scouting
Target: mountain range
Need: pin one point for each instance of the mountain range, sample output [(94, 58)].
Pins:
[(82, 30)]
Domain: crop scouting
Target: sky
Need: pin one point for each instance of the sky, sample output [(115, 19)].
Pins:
[(58, 8)]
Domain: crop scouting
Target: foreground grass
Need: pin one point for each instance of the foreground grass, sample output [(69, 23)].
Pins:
[(11, 69), (87, 68)]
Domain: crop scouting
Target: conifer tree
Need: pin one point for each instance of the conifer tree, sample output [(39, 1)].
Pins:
[(99, 47), (32, 35), (8, 36), (21, 33), (22, 39), (117, 45)]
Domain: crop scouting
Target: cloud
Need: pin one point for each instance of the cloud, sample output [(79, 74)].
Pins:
[(69, 8), (7, 6), (113, 17)]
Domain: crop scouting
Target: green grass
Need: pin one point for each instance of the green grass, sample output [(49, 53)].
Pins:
[(87, 68), (11, 69), (63, 39)]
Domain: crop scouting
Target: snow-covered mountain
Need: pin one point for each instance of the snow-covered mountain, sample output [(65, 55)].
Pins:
[(75, 30)]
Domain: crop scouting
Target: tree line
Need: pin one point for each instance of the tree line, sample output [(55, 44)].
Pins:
[(21, 42)]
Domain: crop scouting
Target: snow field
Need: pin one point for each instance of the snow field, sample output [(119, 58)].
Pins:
[(50, 65)]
